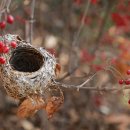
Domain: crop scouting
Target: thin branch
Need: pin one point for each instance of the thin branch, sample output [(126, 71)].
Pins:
[(32, 9), (83, 85), (4, 7), (108, 9), (8, 5), (29, 24), (107, 88), (74, 59), (3, 4), (77, 86), (112, 69), (75, 41), (32, 21), (92, 88), (67, 74)]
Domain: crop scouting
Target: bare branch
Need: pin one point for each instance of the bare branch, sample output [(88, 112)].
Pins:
[(106, 88), (84, 83), (29, 24), (76, 37), (67, 74), (107, 11), (7, 5), (32, 20), (75, 43), (77, 86), (4, 7)]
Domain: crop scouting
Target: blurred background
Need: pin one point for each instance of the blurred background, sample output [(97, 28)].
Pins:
[(85, 36)]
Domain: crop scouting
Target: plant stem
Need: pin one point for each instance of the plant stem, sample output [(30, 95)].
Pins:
[(32, 20), (74, 58), (108, 9)]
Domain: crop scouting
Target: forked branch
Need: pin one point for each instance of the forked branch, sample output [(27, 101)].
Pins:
[(106, 88)]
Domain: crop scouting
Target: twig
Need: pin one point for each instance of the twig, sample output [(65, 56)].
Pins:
[(76, 37), (7, 5), (2, 4), (112, 69), (102, 27), (32, 21), (75, 43), (29, 24), (82, 85), (77, 86), (4, 7), (67, 74), (91, 88)]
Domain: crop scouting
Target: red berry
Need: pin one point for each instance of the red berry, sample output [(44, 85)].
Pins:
[(128, 72), (2, 24), (127, 82), (129, 101), (5, 49), (1, 46), (121, 81), (10, 19), (2, 60), (13, 44)]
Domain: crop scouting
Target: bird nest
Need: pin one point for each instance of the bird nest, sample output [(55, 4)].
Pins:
[(28, 75)]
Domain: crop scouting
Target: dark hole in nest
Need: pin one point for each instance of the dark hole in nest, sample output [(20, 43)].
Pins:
[(26, 59)]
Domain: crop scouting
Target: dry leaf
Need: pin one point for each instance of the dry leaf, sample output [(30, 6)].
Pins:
[(30, 105), (53, 105), (123, 63), (34, 103), (57, 69)]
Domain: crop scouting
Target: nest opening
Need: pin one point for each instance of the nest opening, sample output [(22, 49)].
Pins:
[(26, 59)]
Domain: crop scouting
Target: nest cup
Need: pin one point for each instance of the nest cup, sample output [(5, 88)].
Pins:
[(25, 59)]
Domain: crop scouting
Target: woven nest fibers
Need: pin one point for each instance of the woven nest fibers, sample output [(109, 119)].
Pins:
[(25, 59)]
